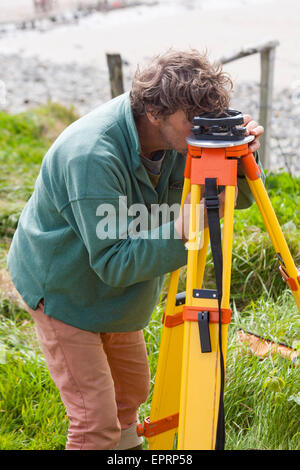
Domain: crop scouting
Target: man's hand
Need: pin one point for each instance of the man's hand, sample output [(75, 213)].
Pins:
[(253, 128), (182, 222)]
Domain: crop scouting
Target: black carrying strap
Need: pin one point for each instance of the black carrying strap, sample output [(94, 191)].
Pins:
[(212, 205)]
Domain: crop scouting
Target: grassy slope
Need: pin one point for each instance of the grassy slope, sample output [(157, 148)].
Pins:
[(262, 396)]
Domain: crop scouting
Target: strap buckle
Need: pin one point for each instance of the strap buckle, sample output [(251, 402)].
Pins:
[(212, 202)]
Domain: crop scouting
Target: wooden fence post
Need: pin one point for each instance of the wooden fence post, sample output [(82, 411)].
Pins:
[(114, 63), (267, 59)]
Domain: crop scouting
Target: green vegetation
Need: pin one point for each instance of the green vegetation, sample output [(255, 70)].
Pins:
[(262, 395), (24, 140)]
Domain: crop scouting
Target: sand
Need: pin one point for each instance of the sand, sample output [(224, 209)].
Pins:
[(140, 32)]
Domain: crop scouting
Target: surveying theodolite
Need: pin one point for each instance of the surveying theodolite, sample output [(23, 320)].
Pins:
[(188, 393)]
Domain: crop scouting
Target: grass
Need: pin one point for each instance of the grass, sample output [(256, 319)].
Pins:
[(32, 415), (24, 140), (262, 395), (262, 401)]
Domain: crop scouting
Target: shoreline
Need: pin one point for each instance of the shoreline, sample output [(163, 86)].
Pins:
[(31, 82), (67, 63), (143, 31)]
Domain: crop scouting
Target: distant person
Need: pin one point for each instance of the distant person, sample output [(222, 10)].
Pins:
[(90, 285), (42, 5)]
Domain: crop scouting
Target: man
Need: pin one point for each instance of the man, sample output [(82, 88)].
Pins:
[(92, 280)]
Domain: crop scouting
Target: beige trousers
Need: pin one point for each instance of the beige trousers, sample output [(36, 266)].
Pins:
[(102, 378)]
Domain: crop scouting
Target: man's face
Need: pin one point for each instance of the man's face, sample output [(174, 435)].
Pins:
[(174, 130)]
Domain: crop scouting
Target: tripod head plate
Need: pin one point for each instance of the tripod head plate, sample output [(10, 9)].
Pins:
[(218, 143)]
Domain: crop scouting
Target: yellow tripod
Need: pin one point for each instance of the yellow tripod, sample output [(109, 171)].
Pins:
[(189, 380)]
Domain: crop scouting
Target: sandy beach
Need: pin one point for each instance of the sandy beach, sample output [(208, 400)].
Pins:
[(65, 60), (221, 27)]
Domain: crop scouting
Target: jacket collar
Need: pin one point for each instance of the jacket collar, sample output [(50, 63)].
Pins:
[(137, 165), (132, 132)]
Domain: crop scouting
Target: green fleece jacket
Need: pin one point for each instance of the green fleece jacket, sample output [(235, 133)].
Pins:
[(60, 252)]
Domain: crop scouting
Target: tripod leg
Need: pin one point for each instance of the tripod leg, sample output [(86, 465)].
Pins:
[(202, 255), (201, 378), (288, 268), (227, 243), (193, 242), (165, 400)]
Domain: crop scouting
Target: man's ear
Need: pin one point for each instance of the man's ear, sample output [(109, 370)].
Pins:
[(152, 116)]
